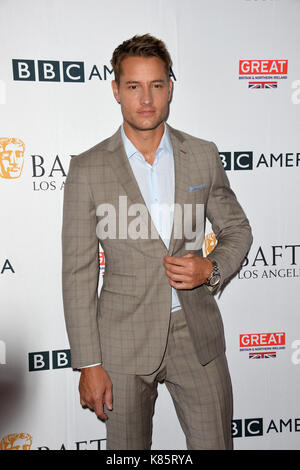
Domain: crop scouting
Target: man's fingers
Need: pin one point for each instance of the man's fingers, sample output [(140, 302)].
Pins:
[(186, 269), (108, 398), (96, 403), (99, 410), (179, 264), (178, 277), (175, 260), (96, 406), (95, 389), (174, 268), (87, 404)]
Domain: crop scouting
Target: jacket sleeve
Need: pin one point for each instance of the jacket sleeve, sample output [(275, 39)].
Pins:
[(80, 267), (229, 223)]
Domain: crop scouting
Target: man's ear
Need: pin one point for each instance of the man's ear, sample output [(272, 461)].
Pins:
[(170, 89), (115, 90)]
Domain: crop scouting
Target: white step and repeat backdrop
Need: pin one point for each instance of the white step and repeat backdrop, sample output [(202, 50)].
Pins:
[(236, 73)]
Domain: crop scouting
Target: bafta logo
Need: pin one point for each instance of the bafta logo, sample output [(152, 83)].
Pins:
[(16, 441), (210, 243), (11, 157)]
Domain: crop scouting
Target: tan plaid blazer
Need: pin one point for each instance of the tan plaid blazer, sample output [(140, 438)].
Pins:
[(126, 327)]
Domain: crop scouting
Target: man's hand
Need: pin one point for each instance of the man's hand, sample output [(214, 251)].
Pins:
[(188, 271), (95, 389)]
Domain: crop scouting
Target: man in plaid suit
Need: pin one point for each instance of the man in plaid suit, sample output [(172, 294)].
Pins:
[(156, 319)]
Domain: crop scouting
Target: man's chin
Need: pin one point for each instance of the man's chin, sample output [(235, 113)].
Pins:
[(145, 126)]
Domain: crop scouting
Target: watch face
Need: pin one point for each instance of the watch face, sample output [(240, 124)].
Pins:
[(215, 280)]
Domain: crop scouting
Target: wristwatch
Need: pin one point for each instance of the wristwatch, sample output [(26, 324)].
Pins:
[(215, 276)]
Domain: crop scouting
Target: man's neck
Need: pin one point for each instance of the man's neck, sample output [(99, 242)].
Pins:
[(146, 142)]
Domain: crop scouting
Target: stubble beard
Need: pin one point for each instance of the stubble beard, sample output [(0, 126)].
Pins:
[(147, 127)]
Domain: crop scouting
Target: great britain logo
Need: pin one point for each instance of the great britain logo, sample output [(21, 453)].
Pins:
[(262, 345), (263, 73)]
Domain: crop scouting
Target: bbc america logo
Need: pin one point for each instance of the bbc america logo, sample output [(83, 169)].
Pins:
[(246, 161), (31, 70), (255, 427)]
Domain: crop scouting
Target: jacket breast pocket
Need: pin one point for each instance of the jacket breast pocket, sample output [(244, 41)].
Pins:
[(120, 283), (198, 196)]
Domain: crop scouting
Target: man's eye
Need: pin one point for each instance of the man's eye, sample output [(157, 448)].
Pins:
[(132, 87)]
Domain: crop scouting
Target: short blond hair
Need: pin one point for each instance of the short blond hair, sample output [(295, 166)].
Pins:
[(140, 46)]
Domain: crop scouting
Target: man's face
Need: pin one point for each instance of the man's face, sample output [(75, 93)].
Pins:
[(144, 92)]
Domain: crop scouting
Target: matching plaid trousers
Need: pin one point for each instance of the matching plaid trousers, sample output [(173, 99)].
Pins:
[(202, 397)]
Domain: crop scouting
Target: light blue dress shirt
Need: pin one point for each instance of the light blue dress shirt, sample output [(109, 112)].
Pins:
[(157, 185)]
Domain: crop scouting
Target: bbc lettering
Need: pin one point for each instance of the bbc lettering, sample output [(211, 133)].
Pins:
[(249, 427), (41, 360), (48, 70), (237, 160)]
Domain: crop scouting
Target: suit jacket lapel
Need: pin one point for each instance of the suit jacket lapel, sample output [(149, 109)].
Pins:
[(181, 170), (122, 168)]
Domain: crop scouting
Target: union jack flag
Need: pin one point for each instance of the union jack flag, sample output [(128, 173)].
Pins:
[(262, 85), (262, 355)]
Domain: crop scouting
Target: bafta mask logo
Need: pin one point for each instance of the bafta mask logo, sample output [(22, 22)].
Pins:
[(11, 157), (210, 243), (17, 441)]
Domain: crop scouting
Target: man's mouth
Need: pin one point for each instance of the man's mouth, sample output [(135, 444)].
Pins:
[(146, 112)]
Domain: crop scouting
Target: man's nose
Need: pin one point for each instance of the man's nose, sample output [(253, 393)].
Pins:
[(146, 97)]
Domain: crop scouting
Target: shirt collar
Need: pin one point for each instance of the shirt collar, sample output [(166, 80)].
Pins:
[(164, 145)]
